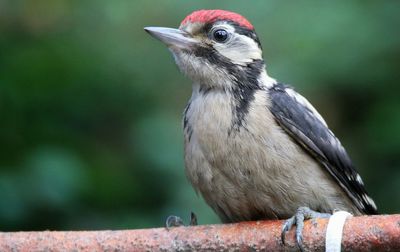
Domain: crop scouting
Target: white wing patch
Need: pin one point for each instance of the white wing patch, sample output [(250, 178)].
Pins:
[(369, 200), (309, 129), (359, 180)]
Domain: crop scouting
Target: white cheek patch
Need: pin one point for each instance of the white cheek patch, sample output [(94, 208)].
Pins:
[(240, 49)]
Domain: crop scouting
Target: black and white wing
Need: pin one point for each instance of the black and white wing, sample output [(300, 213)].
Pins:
[(301, 121)]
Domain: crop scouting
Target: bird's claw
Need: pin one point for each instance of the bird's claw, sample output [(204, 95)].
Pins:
[(193, 219), (302, 213), (176, 221), (286, 227), (173, 221)]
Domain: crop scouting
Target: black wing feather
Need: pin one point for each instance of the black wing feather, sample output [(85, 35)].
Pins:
[(300, 122)]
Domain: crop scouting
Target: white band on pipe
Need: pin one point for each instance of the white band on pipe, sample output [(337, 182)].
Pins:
[(334, 231)]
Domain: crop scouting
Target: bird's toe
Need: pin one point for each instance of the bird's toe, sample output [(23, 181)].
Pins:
[(286, 227), (302, 214), (176, 221), (173, 221)]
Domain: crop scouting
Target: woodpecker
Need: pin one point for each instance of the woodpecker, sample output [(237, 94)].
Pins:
[(254, 147)]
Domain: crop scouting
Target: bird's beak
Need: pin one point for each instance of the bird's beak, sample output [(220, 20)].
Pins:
[(172, 37)]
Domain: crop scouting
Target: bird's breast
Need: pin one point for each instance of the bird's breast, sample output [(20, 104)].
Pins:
[(209, 118), (249, 172), (210, 127), (226, 163)]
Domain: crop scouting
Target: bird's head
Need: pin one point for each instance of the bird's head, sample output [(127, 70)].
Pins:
[(216, 49)]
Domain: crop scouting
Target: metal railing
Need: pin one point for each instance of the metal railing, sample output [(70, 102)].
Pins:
[(364, 233)]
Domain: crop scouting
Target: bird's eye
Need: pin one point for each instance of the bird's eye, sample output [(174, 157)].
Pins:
[(220, 35)]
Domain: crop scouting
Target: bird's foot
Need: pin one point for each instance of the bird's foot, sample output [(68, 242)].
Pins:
[(176, 221), (302, 213)]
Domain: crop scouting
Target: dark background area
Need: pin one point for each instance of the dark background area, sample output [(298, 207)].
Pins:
[(90, 105)]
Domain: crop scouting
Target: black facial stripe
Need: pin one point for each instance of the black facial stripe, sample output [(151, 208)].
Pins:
[(244, 77), (212, 56), (186, 126), (238, 29), (246, 86)]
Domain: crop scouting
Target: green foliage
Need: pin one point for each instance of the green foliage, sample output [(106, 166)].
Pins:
[(90, 105)]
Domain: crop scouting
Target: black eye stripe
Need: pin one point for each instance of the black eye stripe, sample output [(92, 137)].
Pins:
[(207, 29), (249, 33)]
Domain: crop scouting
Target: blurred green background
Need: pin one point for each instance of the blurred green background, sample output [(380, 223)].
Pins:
[(90, 105)]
